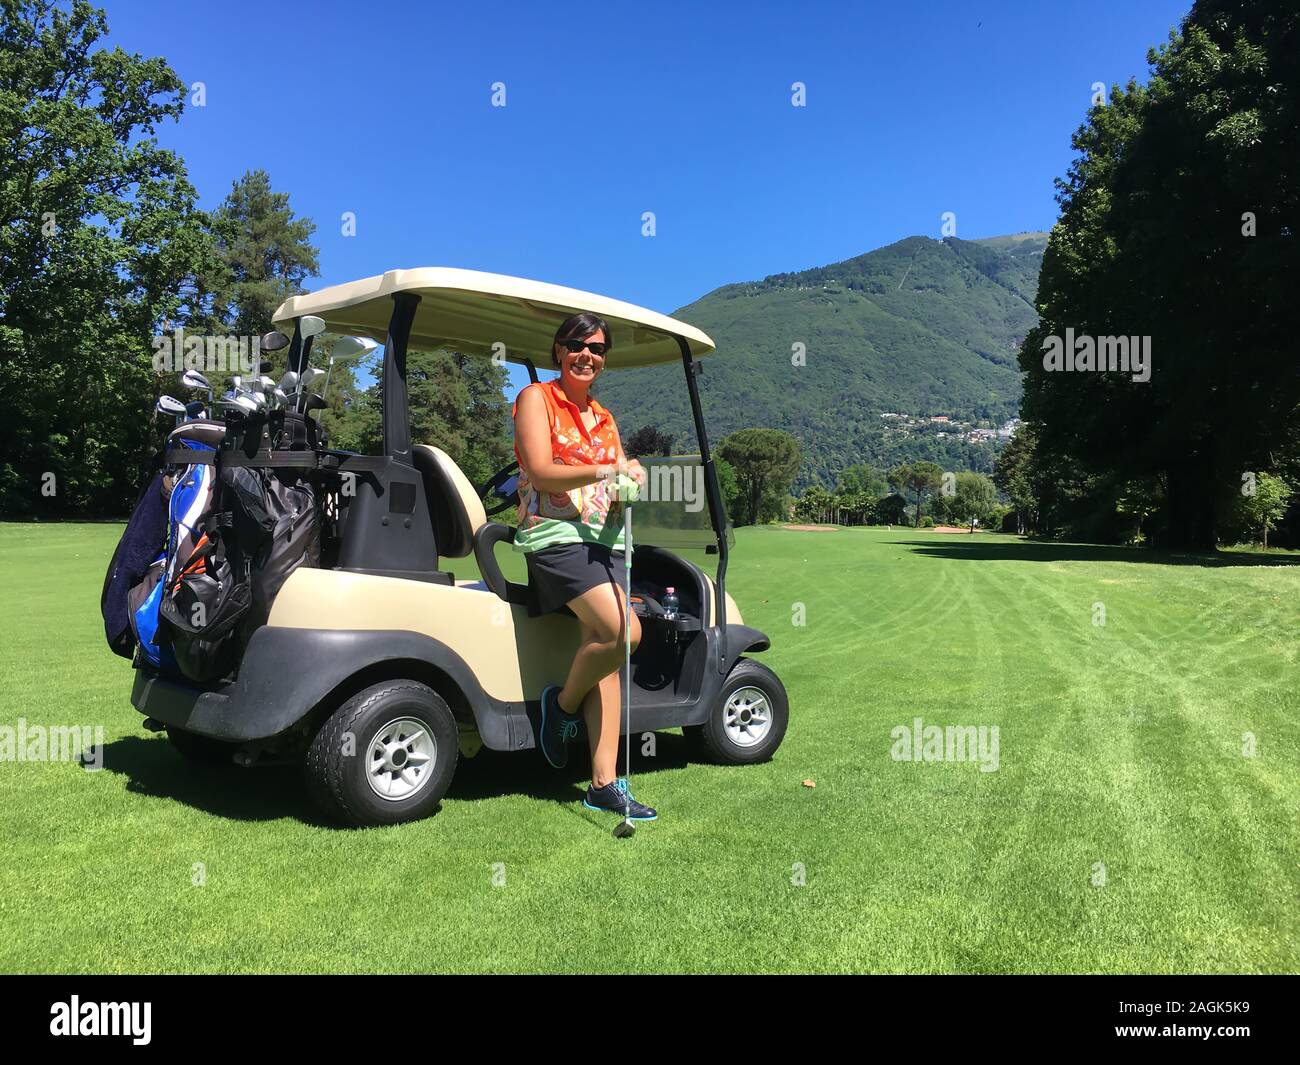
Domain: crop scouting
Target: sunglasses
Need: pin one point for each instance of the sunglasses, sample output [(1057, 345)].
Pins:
[(574, 347)]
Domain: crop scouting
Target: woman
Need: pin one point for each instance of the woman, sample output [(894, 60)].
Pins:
[(571, 528)]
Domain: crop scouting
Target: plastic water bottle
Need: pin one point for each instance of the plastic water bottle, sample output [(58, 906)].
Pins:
[(670, 604)]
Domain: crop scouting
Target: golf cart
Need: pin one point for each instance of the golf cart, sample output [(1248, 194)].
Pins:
[(380, 665)]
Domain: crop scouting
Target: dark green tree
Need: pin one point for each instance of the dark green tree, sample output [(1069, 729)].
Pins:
[(99, 240), (919, 478), (1178, 223), (765, 462), (456, 402), (264, 254)]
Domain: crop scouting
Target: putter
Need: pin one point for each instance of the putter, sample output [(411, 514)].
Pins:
[(625, 828)]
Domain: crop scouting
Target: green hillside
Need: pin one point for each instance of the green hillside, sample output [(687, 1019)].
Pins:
[(921, 327)]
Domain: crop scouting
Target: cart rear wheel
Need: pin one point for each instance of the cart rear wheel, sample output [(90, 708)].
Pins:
[(749, 717), (385, 756)]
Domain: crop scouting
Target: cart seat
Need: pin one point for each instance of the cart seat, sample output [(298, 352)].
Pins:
[(461, 525), (454, 507)]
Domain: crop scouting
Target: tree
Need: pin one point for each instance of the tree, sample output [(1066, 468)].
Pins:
[(264, 255), (815, 505), (1178, 223), (647, 441), (456, 402), (918, 478), (891, 510), (975, 498), (1263, 508), (765, 462), (861, 477), (99, 239)]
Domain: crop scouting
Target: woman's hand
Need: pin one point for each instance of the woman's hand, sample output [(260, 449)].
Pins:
[(637, 472)]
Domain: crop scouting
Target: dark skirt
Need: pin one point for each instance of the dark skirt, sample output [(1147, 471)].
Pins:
[(563, 572)]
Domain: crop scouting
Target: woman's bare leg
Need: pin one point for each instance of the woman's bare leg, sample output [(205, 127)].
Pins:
[(593, 682), (602, 709)]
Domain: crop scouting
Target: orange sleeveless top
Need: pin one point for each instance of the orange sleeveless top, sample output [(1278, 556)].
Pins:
[(547, 518)]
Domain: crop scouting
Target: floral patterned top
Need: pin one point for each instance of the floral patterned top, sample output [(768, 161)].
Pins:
[(580, 514)]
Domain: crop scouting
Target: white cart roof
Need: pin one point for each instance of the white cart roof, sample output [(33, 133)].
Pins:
[(471, 311)]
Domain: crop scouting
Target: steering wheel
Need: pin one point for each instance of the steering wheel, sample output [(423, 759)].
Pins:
[(504, 485)]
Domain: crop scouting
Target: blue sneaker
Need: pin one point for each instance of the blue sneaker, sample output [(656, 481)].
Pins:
[(614, 798), (558, 728)]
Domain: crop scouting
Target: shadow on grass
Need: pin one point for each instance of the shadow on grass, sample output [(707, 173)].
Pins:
[(263, 793), (1044, 551), (271, 792)]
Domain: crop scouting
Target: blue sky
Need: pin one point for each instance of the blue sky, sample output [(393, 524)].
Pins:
[(614, 109)]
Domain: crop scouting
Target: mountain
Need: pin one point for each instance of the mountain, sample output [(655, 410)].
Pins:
[(920, 327)]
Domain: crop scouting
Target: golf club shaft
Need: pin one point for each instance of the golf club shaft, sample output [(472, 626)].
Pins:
[(627, 649)]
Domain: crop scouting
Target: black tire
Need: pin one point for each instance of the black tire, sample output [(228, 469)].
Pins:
[(202, 749), (714, 741), (339, 772)]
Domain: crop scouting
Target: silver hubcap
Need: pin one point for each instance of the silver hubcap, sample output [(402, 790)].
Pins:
[(747, 716), (402, 756)]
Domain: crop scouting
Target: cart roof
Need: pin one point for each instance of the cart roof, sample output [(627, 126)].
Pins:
[(471, 311)]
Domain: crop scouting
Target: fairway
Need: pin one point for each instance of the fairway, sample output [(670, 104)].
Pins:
[(1142, 816)]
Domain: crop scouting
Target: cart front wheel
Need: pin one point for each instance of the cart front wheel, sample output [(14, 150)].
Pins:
[(385, 756), (749, 718)]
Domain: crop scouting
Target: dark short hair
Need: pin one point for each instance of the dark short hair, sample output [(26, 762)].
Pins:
[(579, 327)]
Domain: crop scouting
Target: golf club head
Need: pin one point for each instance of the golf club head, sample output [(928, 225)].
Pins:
[(170, 405), (247, 404), (195, 409), (624, 829), (274, 341), (280, 397), (265, 384), (194, 379), (264, 366), (310, 376), (313, 402), (236, 382), (351, 347), (289, 382), (310, 326)]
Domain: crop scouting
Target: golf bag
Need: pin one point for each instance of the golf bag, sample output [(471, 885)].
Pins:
[(137, 553), (261, 525), (212, 539)]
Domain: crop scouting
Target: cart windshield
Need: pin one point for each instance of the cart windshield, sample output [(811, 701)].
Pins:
[(673, 511)]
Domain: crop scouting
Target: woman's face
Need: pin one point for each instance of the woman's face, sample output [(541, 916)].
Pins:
[(584, 367)]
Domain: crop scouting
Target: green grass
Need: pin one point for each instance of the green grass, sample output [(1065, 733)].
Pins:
[(1119, 744)]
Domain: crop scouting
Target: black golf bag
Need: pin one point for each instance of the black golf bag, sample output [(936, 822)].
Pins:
[(233, 548)]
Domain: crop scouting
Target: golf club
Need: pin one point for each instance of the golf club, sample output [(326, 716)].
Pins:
[(171, 405), (347, 348), (233, 402), (194, 380), (267, 388), (626, 828), (309, 377), (273, 341)]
